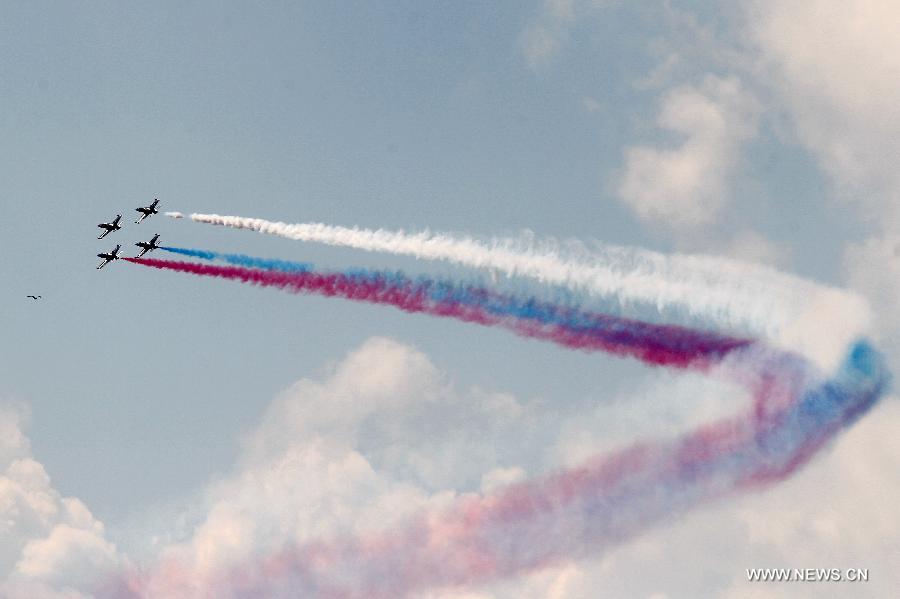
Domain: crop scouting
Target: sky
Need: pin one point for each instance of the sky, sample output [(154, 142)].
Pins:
[(146, 414)]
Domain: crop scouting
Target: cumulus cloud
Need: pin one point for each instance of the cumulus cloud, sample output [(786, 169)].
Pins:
[(384, 434), (836, 66), (382, 437), (52, 546), (685, 186)]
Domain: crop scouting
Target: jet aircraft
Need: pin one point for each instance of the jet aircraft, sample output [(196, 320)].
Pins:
[(148, 246), (110, 227), (109, 256), (147, 211)]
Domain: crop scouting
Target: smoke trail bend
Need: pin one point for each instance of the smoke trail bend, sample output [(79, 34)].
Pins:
[(578, 512), (567, 515), (736, 296)]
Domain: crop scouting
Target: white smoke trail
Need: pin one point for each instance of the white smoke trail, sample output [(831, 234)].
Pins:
[(174, 214), (785, 309)]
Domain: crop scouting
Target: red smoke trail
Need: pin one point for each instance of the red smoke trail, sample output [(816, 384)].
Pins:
[(667, 345), (554, 518), (569, 515)]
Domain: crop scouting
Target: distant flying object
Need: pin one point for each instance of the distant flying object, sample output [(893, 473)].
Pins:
[(147, 211), (148, 246), (110, 227), (34, 297), (109, 256)]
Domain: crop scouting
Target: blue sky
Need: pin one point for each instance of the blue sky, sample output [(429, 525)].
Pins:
[(143, 390)]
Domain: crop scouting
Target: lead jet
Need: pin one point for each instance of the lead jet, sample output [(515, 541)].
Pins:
[(109, 256), (110, 227), (147, 246), (147, 211)]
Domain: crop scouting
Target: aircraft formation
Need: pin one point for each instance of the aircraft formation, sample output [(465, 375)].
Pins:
[(116, 224)]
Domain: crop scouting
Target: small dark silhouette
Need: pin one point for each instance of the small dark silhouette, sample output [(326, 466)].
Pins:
[(34, 297)]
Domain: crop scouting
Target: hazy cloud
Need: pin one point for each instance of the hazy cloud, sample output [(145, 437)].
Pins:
[(685, 185)]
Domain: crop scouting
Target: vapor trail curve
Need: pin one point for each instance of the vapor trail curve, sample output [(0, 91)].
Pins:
[(578, 512), (567, 515)]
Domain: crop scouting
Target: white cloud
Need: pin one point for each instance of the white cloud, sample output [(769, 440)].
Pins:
[(687, 185), (385, 435), (836, 66), (382, 437), (361, 466), (69, 556), (501, 477), (52, 546)]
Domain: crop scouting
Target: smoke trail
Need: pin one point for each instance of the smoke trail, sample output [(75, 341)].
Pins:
[(657, 344), (242, 260), (572, 514), (174, 214), (736, 296), (566, 315)]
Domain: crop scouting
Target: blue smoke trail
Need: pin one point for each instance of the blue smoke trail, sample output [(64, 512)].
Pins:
[(568, 316), (242, 260), (577, 512), (464, 293)]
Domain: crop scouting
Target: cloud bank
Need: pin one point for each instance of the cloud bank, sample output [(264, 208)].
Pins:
[(52, 546), (385, 434)]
